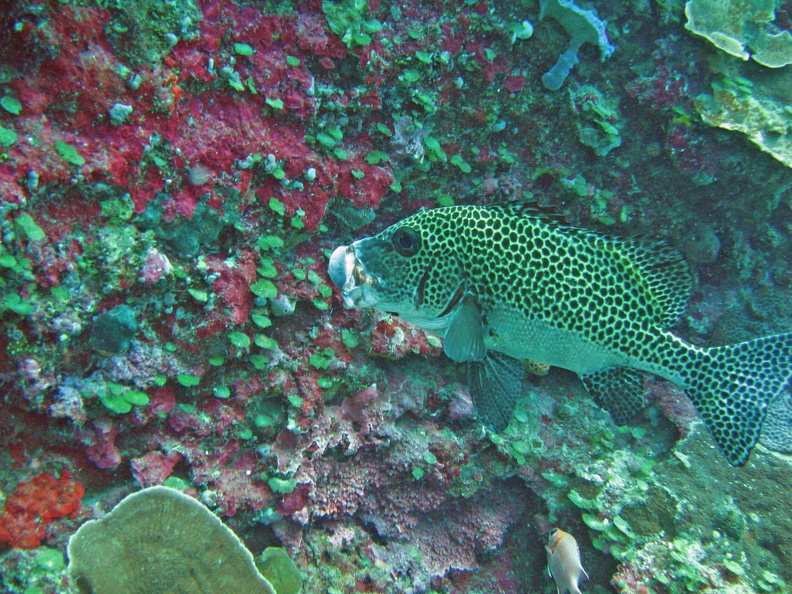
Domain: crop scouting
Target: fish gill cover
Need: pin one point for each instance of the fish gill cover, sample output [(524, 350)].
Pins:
[(173, 179)]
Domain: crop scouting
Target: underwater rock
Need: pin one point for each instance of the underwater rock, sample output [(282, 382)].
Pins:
[(113, 331), (700, 244), (728, 518)]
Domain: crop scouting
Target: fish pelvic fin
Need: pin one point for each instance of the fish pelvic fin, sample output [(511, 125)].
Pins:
[(495, 385), (733, 386), (619, 390)]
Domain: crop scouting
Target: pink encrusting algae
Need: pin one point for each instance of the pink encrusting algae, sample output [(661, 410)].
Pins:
[(173, 179)]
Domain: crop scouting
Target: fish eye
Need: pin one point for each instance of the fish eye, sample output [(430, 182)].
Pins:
[(406, 241)]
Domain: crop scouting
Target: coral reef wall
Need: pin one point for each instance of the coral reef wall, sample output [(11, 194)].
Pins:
[(173, 177)]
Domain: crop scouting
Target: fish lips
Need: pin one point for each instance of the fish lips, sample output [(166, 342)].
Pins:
[(347, 273)]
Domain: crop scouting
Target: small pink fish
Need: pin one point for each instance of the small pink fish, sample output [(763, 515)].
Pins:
[(563, 562)]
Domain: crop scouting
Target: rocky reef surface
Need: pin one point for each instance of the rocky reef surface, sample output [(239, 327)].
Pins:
[(173, 177)]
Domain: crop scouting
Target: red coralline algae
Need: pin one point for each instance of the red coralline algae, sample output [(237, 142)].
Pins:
[(393, 338), (232, 476), (233, 284), (662, 90), (674, 403), (153, 468), (691, 153), (295, 501), (155, 266), (102, 450), (34, 505), (514, 84)]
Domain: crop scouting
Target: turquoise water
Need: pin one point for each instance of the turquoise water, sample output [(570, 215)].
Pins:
[(173, 180)]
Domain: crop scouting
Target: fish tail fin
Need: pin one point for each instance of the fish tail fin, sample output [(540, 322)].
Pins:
[(732, 387)]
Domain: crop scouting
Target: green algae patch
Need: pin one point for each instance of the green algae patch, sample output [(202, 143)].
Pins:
[(279, 569), (260, 320), (30, 228), (244, 49), (7, 137), (11, 104), (69, 154), (348, 19), (264, 289), (50, 559), (187, 380), (239, 339), (284, 486), (120, 400)]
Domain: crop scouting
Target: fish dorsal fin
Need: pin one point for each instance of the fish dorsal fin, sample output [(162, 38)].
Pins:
[(658, 272), (532, 210)]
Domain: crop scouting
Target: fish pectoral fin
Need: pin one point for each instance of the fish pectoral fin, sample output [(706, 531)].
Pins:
[(495, 385), (464, 339), (619, 390)]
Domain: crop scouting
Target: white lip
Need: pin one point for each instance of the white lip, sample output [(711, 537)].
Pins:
[(342, 264), (348, 275)]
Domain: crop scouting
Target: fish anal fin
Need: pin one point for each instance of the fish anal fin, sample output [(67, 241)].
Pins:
[(464, 338), (619, 390), (495, 385)]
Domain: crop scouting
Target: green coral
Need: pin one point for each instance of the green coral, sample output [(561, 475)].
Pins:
[(742, 28), (764, 118), (348, 19)]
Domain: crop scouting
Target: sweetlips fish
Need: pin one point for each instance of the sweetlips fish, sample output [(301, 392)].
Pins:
[(563, 562), (506, 283)]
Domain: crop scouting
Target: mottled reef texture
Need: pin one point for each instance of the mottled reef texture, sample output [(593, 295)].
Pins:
[(172, 178)]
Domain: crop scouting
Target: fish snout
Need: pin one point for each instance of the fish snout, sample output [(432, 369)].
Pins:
[(347, 274)]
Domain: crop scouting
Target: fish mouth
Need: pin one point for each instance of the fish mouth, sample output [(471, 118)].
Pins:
[(347, 273)]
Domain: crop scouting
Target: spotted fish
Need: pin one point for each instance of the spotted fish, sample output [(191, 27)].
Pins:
[(507, 283), (563, 562)]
